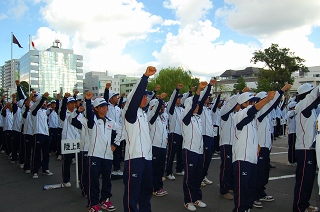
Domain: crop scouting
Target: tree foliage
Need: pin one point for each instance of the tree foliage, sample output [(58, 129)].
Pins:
[(169, 78), (25, 87), (241, 83), (281, 63)]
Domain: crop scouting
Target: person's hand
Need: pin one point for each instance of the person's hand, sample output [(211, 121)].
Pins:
[(179, 86), (88, 95), (220, 92), (46, 94), (14, 96), (113, 147), (163, 95), (245, 89), (58, 96), (286, 87), (158, 87), (258, 153), (17, 82), (76, 92), (67, 95), (192, 89), (213, 81), (81, 109), (271, 95), (123, 95), (202, 84), (108, 85), (151, 70)]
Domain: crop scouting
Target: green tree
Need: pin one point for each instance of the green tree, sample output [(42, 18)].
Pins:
[(241, 83), (265, 77), (281, 62), (169, 78), (25, 87)]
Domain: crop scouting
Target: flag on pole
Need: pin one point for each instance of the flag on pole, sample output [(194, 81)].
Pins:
[(32, 44), (15, 41)]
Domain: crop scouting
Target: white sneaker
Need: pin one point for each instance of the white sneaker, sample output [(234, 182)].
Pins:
[(190, 206), (47, 172), (67, 185), (200, 204), (206, 181), (180, 173), (203, 184), (118, 172), (2, 152), (171, 177), (35, 176), (22, 165), (27, 171), (59, 157)]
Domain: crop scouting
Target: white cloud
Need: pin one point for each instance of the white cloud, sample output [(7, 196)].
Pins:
[(267, 18), (3, 16), (170, 22), (17, 9), (101, 30)]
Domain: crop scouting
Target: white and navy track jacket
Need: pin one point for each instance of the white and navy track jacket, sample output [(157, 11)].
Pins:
[(7, 119), (206, 117), (216, 117), (306, 120), (81, 123), (174, 112), (39, 117), (1, 118), (192, 123), (28, 120), (17, 112), (227, 122), (69, 132), (245, 146), (263, 121), (53, 117), (291, 121), (135, 124), (157, 125)]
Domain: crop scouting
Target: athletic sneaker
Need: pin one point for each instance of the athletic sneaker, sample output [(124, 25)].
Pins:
[(59, 157), (200, 204), (28, 171), (267, 199), (228, 196), (107, 205), (67, 185), (2, 152), (203, 184), (257, 204), (180, 173), (35, 176), (171, 177), (206, 181), (190, 206), (95, 208), (160, 193), (21, 165), (118, 173), (13, 162), (47, 172), (312, 209)]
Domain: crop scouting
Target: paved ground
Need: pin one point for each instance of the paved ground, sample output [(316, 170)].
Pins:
[(19, 192)]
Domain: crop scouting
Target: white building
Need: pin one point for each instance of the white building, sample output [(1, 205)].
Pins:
[(96, 82), (9, 73), (313, 77)]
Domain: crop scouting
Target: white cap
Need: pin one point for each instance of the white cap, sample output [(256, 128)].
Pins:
[(100, 102), (246, 96), (304, 88), (262, 95), (292, 104), (124, 100), (70, 99), (112, 94)]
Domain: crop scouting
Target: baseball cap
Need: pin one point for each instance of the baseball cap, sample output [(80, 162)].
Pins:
[(100, 102), (112, 94), (53, 101), (70, 99), (246, 96), (292, 104), (304, 88), (147, 92), (261, 95), (124, 100)]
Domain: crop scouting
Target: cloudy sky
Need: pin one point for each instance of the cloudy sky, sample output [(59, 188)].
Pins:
[(124, 36)]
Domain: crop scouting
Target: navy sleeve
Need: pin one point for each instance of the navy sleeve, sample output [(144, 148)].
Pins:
[(308, 111), (76, 123), (57, 106), (63, 109), (4, 113), (120, 101), (90, 114), (226, 116), (156, 114), (171, 109), (215, 106), (34, 112), (20, 94), (106, 94), (282, 106), (14, 108), (204, 98), (250, 116), (187, 119), (260, 118), (131, 113), (25, 114)]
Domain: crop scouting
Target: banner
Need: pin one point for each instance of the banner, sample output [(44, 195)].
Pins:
[(70, 146)]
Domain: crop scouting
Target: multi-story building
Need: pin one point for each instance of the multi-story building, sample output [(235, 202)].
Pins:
[(54, 70), (313, 77), (96, 82), (126, 83), (9, 73)]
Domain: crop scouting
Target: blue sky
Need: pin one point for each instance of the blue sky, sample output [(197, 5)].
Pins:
[(206, 37)]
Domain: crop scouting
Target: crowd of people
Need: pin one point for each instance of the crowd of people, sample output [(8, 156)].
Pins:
[(152, 133)]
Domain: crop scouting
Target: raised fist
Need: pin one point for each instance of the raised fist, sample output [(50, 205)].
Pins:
[(17, 82), (151, 70), (81, 109), (123, 95), (180, 86), (88, 95), (46, 94), (203, 84), (163, 95), (213, 81), (271, 95), (67, 95), (192, 88), (76, 92), (158, 87), (108, 85)]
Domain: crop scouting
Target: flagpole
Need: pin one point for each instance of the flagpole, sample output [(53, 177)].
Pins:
[(29, 42), (11, 67)]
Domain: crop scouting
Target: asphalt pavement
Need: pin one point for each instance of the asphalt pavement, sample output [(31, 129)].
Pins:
[(20, 192)]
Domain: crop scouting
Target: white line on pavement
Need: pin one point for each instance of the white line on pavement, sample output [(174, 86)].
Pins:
[(282, 177)]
